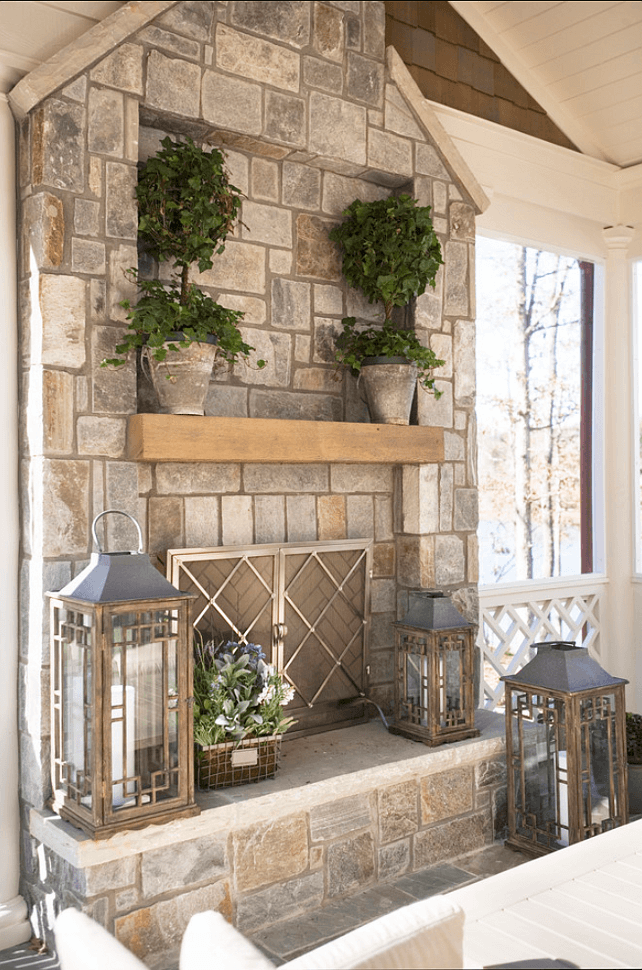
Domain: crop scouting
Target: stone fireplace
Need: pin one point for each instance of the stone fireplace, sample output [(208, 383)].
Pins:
[(312, 112)]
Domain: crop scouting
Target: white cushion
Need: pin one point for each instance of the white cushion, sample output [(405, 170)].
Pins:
[(210, 943), (82, 944), (423, 935)]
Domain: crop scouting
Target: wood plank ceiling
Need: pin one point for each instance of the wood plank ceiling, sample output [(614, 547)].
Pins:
[(581, 61)]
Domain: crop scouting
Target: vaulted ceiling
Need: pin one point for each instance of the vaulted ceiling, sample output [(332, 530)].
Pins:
[(581, 61)]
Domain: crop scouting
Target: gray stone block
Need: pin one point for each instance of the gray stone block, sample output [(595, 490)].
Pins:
[(442, 344), (322, 74), (285, 479), (337, 128), (202, 521), (428, 162), (288, 22), (333, 819), (120, 287), (351, 864), (454, 447), (398, 808), (316, 255), (165, 518), (106, 127), (87, 256), (456, 288), (44, 231), (374, 24), (285, 119), (123, 69), (173, 43), (290, 304), (237, 521), (328, 299), (272, 347), (157, 929), (433, 412), (339, 192), (301, 518), (295, 407), (283, 901), (58, 140), (240, 267), (449, 560), (394, 860), (317, 379), (173, 85), (327, 37), (265, 180), (113, 388), (464, 353), (301, 186), (326, 332), (365, 80), (195, 861), (232, 103), (446, 498), (192, 17), (226, 401), (352, 27), (400, 119), (267, 223), (382, 595), (452, 839), (259, 60), (194, 478), (62, 309), (121, 210), (466, 510), (383, 518), (462, 222), (361, 478), (86, 217), (101, 436), (360, 516), (490, 773), (269, 517)]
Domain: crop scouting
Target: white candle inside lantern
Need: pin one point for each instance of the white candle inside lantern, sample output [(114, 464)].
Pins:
[(122, 717)]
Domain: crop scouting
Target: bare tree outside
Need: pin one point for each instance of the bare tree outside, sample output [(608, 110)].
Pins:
[(528, 410)]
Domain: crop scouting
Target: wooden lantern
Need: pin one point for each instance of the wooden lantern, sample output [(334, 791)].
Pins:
[(565, 748), (434, 657), (121, 668)]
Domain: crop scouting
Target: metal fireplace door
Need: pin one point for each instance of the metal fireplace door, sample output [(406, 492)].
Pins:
[(307, 604)]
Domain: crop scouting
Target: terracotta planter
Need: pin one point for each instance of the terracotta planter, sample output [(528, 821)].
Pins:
[(182, 380), (237, 762), (390, 384)]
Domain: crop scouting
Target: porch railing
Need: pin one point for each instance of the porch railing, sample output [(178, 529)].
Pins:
[(516, 616)]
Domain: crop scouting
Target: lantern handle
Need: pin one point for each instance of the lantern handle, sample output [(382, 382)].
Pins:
[(116, 512)]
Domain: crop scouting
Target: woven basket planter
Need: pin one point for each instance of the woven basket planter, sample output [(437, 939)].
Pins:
[(237, 762)]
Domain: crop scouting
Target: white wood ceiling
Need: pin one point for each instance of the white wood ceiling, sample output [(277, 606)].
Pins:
[(582, 61)]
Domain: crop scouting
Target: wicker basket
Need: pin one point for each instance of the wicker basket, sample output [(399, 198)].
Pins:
[(237, 762)]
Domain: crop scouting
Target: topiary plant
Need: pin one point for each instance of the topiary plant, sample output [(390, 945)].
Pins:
[(391, 253), (187, 206)]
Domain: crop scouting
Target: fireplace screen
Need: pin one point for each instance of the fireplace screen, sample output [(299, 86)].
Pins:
[(307, 604)]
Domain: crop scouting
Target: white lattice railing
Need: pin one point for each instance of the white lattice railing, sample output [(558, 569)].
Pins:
[(514, 617)]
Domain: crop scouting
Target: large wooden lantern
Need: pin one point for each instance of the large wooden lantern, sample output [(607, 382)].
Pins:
[(434, 656), (565, 748), (121, 695)]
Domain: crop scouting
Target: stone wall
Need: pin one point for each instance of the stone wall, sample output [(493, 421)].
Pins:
[(300, 97), (271, 858)]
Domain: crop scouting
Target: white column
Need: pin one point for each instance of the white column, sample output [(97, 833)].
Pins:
[(618, 652), (14, 926)]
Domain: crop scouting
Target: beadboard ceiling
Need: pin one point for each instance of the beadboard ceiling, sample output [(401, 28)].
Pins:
[(581, 61)]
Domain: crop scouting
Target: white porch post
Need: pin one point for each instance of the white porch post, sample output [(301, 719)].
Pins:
[(14, 926), (619, 646)]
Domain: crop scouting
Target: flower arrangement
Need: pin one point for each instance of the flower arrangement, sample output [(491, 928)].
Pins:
[(237, 694)]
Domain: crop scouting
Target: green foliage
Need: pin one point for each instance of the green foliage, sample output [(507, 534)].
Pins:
[(387, 341), (160, 314), (237, 694), (186, 204), (390, 249)]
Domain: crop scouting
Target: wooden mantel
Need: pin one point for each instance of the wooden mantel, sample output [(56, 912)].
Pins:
[(171, 437)]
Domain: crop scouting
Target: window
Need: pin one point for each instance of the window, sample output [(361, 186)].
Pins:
[(534, 385)]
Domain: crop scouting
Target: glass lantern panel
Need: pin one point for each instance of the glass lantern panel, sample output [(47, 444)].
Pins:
[(451, 652), (600, 804), (74, 742), (414, 697), (539, 768), (144, 699)]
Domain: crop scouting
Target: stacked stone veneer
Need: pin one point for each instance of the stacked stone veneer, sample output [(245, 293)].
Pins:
[(284, 854), (299, 96)]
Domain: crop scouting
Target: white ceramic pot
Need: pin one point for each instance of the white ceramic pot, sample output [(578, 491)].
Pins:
[(182, 380), (390, 384)]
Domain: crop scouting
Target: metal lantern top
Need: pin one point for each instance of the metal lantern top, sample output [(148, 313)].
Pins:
[(114, 577), (431, 610), (561, 665)]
